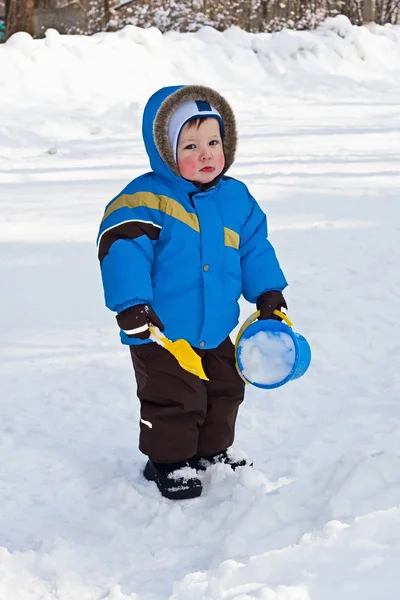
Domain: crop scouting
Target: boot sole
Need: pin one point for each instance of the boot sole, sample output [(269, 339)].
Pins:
[(172, 494), (203, 467)]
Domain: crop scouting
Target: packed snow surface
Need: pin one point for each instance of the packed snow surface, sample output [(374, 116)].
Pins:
[(267, 357), (317, 517)]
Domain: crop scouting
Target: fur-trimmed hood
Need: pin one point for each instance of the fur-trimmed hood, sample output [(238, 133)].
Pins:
[(156, 116)]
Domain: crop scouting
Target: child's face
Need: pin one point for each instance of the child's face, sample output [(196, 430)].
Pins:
[(200, 151)]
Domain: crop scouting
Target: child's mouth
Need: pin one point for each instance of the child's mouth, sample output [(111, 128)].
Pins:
[(207, 169)]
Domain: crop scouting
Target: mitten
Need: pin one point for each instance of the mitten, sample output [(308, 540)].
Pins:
[(270, 301), (135, 321)]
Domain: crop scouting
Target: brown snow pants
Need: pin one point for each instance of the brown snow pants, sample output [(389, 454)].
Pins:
[(182, 415)]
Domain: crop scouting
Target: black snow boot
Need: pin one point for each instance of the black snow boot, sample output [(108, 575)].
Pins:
[(202, 463), (176, 481)]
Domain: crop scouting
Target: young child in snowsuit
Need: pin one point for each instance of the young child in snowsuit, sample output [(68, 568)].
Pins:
[(178, 247)]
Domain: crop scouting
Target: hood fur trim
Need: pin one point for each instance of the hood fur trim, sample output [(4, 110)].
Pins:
[(168, 107)]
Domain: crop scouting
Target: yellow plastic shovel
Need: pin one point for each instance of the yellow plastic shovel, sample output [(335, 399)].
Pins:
[(183, 352)]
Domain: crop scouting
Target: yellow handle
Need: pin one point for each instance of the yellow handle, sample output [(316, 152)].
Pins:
[(255, 316), (284, 318), (156, 332)]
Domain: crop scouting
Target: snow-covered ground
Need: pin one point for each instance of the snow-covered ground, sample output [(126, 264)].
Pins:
[(318, 517)]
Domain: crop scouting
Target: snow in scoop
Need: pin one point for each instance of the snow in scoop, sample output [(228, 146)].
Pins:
[(267, 357)]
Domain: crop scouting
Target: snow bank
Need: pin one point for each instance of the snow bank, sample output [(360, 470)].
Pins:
[(112, 69), (362, 553)]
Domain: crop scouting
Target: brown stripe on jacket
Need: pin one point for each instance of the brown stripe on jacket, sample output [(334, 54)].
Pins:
[(129, 230)]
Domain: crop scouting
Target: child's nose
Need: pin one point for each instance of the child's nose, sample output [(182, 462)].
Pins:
[(205, 153)]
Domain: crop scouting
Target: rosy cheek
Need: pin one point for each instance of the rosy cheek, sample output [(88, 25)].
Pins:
[(221, 161), (187, 167)]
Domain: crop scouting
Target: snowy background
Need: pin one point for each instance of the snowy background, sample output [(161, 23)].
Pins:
[(318, 516)]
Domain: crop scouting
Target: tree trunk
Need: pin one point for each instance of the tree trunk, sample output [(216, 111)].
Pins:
[(19, 16), (369, 11)]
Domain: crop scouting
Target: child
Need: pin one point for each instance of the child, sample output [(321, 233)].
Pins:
[(177, 247)]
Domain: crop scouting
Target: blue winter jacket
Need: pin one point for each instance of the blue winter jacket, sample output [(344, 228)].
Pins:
[(188, 253)]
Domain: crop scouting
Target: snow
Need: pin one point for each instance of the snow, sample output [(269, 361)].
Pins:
[(318, 517), (267, 357)]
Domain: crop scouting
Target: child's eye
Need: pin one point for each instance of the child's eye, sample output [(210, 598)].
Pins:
[(190, 147), (214, 142)]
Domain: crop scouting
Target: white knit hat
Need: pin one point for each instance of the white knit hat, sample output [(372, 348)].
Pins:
[(188, 111)]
